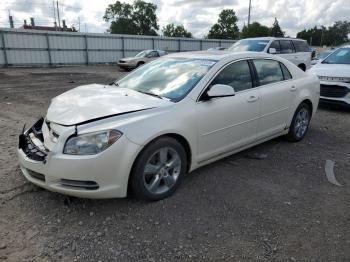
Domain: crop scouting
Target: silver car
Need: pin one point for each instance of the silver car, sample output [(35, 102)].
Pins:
[(140, 59)]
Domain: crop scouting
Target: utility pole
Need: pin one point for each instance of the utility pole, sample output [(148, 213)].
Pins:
[(58, 16), (250, 6), (54, 14), (11, 20), (79, 23)]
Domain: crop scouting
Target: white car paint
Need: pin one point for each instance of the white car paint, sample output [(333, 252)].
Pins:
[(213, 129), (333, 77)]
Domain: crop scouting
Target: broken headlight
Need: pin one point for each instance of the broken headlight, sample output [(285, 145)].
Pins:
[(91, 143)]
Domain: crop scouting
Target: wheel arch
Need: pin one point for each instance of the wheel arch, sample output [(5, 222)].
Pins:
[(179, 138), (302, 66)]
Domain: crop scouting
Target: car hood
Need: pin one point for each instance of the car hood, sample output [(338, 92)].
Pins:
[(331, 70), (130, 58), (93, 102)]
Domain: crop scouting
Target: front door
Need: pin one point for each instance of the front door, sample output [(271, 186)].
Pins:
[(227, 123)]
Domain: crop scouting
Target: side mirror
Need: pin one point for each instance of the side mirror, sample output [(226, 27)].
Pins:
[(272, 50), (219, 90)]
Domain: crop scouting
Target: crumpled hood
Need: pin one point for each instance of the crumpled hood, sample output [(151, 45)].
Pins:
[(94, 101), (330, 70)]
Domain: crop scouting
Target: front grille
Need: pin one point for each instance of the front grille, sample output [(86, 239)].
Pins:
[(121, 61), (77, 184), (333, 91), (36, 175), (29, 148)]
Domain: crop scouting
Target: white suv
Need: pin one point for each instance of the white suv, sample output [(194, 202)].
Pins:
[(295, 50)]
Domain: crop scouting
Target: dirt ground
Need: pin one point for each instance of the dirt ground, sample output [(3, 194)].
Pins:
[(278, 208)]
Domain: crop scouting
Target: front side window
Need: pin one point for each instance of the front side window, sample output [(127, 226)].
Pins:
[(269, 71), (340, 56), (172, 78), (236, 75), (276, 44), (286, 47), (255, 45)]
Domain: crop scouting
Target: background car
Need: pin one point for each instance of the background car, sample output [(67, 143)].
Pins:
[(140, 59), (295, 50), (320, 56), (144, 132), (334, 74)]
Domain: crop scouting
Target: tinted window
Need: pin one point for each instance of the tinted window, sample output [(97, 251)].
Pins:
[(276, 45), (269, 71), (236, 75), (286, 47), (249, 45), (287, 75), (301, 46)]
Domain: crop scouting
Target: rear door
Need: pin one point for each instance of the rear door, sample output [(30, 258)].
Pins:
[(276, 91), (303, 52), (288, 51)]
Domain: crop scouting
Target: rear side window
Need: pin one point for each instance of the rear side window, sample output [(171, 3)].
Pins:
[(286, 47), (236, 75), (301, 46), (286, 74), (276, 44), (269, 71)]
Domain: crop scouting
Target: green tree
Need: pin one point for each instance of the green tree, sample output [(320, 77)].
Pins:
[(255, 30), (226, 27), (334, 35), (276, 30), (171, 30), (137, 19)]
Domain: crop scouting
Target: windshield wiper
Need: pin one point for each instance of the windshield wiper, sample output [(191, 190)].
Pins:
[(150, 93)]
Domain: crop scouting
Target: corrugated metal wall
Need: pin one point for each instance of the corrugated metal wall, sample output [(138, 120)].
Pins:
[(20, 47)]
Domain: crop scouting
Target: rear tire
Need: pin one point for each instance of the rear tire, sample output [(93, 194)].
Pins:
[(158, 170), (300, 123)]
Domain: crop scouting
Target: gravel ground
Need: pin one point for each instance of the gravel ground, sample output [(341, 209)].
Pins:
[(277, 208)]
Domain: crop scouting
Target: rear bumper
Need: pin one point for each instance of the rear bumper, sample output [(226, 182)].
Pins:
[(104, 175)]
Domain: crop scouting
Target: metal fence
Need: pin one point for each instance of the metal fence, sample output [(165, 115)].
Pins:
[(20, 47)]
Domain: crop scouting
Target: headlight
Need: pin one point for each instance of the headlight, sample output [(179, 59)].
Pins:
[(92, 143)]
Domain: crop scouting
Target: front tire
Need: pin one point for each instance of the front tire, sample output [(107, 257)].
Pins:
[(158, 170), (300, 123)]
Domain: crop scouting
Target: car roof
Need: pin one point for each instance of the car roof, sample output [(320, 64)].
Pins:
[(273, 38), (219, 55)]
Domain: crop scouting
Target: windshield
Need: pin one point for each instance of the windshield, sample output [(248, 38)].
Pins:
[(249, 45), (172, 78), (142, 54), (340, 56)]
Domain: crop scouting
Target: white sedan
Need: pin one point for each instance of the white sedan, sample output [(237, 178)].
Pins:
[(146, 131)]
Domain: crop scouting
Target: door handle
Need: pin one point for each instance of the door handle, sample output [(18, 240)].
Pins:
[(252, 99), (293, 88)]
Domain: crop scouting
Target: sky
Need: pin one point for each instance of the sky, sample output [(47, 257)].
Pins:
[(196, 15)]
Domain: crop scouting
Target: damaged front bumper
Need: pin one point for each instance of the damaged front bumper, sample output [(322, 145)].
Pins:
[(103, 175)]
